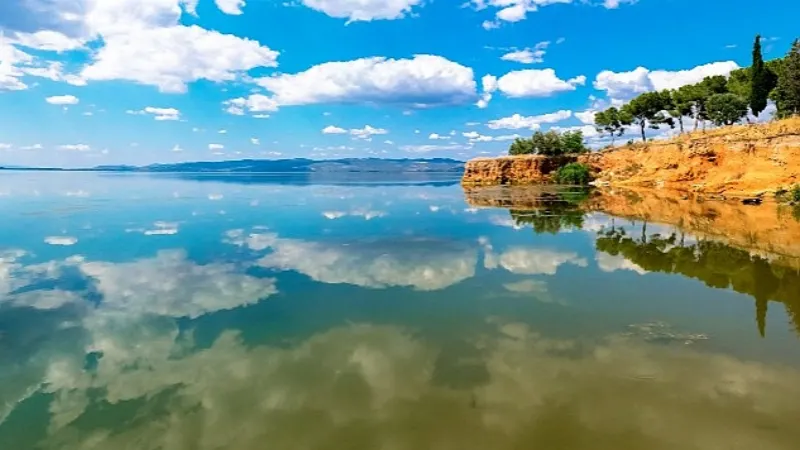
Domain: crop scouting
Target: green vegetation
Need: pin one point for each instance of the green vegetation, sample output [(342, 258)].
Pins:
[(762, 80), (726, 109), (787, 92), (557, 211), (647, 110), (575, 174), (721, 100), (714, 263), (613, 122), (550, 143)]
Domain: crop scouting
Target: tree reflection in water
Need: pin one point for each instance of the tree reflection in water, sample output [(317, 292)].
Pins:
[(716, 264)]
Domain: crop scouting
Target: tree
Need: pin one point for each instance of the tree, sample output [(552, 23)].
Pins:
[(572, 142), (707, 88), (739, 82), (726, 109), (547, 143), (647, 111), (612, 122), (521, 146), (787, 96), (682, 104), (762, 81)]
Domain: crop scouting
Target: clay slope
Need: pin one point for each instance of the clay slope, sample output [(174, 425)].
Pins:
[(742, 160)]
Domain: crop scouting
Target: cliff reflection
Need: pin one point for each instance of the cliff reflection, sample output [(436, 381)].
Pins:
[(716, 264), (724, 244)]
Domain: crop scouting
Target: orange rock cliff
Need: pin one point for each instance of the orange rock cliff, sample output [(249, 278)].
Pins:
[(743, 160)]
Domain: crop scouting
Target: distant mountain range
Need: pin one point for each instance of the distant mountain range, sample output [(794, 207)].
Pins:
[(299, 165)]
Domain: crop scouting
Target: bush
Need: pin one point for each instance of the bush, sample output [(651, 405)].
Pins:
[(574, 174), (796, 193)]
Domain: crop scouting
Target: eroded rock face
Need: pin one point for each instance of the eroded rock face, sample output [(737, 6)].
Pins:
[(741, 160), (520, 169)]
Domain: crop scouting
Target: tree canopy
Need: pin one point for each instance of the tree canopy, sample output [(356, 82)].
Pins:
[(550, 143), (726, 109), (787, 95), (647, 110)]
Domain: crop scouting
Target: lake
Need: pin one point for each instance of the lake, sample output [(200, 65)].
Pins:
[(249, 312)]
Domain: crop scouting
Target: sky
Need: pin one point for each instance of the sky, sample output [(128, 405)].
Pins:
[(91, 82)]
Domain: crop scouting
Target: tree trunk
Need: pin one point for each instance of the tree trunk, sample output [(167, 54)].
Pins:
[(644, 138), (680, 122), (696, 121)]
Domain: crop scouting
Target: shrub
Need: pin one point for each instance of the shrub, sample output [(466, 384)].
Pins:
[(574, 174), (796, 193)]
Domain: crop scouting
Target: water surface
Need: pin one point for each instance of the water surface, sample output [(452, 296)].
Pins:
[(212, 312)]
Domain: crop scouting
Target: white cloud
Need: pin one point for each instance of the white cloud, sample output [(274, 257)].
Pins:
[(233, 7), (5, 146), (172, 56), (588, 131), (422, 264), (532, 261), (489, 85), (612, 263), (330, 129), (61, 240), (223, 131), (536, 83), (367, 132), (215, 146), (159, 114), (177, 148), (435, 136), (171, 285), (625, 85), (511, 10), (587, 117), (364, 10), (255, 141), (255, 103), (425, 80), (528, 55), (47, 40), (517, 121), (75, 147)]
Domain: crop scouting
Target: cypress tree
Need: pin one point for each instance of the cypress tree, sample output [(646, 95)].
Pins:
[(759, 79)]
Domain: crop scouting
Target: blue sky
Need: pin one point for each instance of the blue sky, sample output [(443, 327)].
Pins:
[(88, 82)]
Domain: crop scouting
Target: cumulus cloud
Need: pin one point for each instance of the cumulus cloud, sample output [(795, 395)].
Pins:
[(62, 100), (215, 146), (422, 264), (625, 85), (364, 10), (61, 240), (425, 80), (489, 85), (330, 129), (159, 114), (367, 379), (255, 103), (536, 83), (517, 122), (612, 263), (528, 55), (531, 261), (169, 284), (511, 10), (233, 7), (170, 57), (359, 133)]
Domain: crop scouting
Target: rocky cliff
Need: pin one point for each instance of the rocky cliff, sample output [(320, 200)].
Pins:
[(742, 160)]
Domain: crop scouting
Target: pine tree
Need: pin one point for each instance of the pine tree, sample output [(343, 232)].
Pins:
[(759, 80)]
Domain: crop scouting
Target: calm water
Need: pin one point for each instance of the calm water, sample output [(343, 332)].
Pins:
[(245, 313)]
